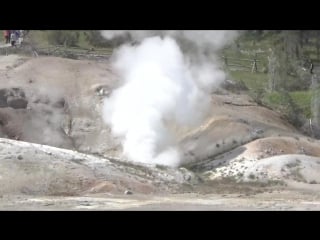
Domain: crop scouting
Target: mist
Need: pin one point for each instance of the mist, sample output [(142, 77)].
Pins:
[(216, 39), (164, 84)]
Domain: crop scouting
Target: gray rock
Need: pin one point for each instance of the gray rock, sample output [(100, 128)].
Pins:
[(127, 192), (60, 103), (3, 98), (17, 103), (13, 97)]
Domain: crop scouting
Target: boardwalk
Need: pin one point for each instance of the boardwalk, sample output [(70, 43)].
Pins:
[(2, 45)]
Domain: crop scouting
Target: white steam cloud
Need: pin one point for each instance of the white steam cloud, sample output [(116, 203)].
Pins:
[(215, 39), (162, 88)]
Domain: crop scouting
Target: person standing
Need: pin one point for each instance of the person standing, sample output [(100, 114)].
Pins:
[(6, 34), (13, 38), (17, 33), (21, 35)]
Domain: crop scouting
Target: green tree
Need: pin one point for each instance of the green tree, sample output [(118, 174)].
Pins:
[(67, 38), (285, 60), (95, 38)]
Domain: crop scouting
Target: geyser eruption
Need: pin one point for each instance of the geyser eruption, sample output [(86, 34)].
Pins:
[(161, 89)]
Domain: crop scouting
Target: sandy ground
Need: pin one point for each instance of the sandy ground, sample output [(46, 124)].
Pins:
[(38, 177), (269, 201)]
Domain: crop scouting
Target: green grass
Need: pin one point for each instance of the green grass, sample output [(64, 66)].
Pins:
[(250, 48), (40, 39), (264, 42), (256, 82), (301, 98), (253, 81), (83, 43)]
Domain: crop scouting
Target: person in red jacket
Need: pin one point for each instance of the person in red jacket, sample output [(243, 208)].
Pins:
[(6, 34)]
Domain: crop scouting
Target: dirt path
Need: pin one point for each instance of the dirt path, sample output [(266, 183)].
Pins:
[(2, 45), (278, 200)]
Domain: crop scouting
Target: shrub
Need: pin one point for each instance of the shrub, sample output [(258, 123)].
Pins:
[(63, 37)]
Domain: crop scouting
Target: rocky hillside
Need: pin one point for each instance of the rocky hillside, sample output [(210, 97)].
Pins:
[(54, 142)]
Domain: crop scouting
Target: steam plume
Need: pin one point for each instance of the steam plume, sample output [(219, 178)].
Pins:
[(162, 87)]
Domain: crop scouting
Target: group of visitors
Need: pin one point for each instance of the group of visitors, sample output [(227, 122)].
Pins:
[(13, 37)]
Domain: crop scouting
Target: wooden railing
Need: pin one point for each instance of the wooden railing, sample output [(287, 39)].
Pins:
[(243, 64), (74, 52), (233, 64), (61, 51)]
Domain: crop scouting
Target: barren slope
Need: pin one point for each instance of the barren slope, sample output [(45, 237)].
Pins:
[(57, 102)]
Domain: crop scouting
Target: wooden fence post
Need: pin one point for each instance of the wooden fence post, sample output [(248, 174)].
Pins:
[(254, 65), (225, 61)]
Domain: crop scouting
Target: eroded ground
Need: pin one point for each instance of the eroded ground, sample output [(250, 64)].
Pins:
[(57, 154)]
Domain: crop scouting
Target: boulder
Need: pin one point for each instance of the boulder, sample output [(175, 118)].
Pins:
[(16, 102), (13, 97)]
